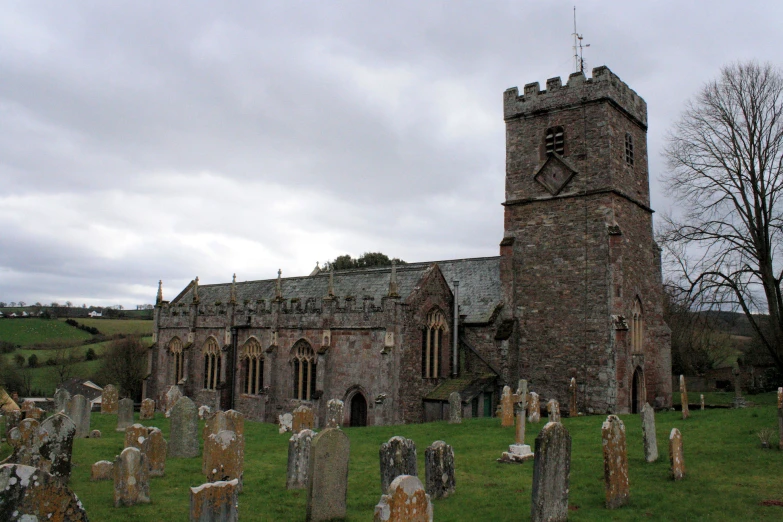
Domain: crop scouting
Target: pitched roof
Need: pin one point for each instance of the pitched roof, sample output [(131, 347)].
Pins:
[(479, 285)]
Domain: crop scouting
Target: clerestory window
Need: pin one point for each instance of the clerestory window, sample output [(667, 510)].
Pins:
[(212, 361), (629, 150), (555, 140), (432, 345), (253, 361), (175, 349), (304, 364)]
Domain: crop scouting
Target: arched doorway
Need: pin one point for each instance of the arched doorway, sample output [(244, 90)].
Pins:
[(358, 410), (637, 391)]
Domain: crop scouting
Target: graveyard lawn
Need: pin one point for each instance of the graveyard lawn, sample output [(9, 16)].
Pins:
[(728, 475)]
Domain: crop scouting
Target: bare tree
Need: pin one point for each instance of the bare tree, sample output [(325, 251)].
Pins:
[(725, 158), (125, 365)]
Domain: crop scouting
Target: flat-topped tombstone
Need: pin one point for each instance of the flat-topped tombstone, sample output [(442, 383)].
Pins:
[(30, 494), (215, 502), (648, 433), (406, 502), (455, 408), (218, 421), (573, 410), (286, 421), (327, 475), (553, 410), (533, 408), (102, 470), (57, 447), (299, 459), (676, 458), (26, 441), (439, 470), (147, 410), (172, 396), (224, 457), (507, 407), (78, 409), (109, 400), (335, 409), (615, 462), (551, 474), (684, 398), (124, 413), (61, 398), (135, 436), (131, 478), (156, 448), (183, 435), (397, 457), (303, 419)]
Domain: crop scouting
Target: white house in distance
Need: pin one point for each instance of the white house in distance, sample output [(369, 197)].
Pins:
[(95, 314)]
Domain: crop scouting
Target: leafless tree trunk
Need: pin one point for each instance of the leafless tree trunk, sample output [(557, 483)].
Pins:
[(725, 158)]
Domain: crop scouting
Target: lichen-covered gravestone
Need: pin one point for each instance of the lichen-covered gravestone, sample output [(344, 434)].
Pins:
[(57, 447), (406, 502), (147, 410), (28, 494), (156, 448), (135, 435), (215, 502), (26, 441), (533, 408), (439, 470), (183, 435), (455, 408), (684, 398), (286, 421), (648, 433), (171, 397), (551, 474), (553, 410), (327, 475), (299, 459), (12, 420), (224, 457), (124, 414), (78, 409), (61, 398), (397, 457), (102, 470), (335, 409), (573, 411), (303, 419), (615, 462), (230, 420), (131, 478), (507, 407), (676, 458), (109, 398)]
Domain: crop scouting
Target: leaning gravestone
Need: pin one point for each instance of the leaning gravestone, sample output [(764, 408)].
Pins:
[(327, 475), (335, 409), (172, 396), (455, 408), (439, 470), (303, 419), (397, 457), (78, 410), (406, 502), (131, 478), (183, 435), (615, 462), (215, 502), (533, 408), (109, 398), (684, 398), (124, 414), (553, 410), (28, 494), (299, 459), (147, 410), (676, 458), (102, 470), (61, 398), (551, 474), (224, 457), (57, 446), (648, 433)]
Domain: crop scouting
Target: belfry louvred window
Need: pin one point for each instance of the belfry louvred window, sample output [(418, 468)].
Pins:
[(212, 362), (304, 366), (555, 140), (432, 345)]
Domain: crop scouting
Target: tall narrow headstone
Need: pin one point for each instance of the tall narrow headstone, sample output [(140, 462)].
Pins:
[(61, 398), (78, 409), (109, 398), (183, 435), (131, 478), (224, 457), (215, 502), (553, 410), (156, 448), (439, 470), (335, 409), (507, 407), (304, 419), (551, 474), (170, 398), (533, 408), (397, 457), (648, 433), (124, 414), (147, 410), (406, 502), (57, 446), (739, 400), (30, 494), (676, 458), (455, 408), (327, 476), (701, 399), (573, 411), (684, 398), (615, 462), (780, 417), (299, 459)]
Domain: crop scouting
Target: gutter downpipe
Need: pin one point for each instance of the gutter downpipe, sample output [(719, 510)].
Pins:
[(455, 351)]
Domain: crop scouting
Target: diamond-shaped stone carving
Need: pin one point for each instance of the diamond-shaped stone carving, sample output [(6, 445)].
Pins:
[(554, 174)]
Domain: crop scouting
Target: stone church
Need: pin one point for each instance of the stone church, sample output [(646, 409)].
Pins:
[(575, 292)]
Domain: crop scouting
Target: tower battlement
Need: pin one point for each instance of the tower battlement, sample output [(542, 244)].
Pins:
[(603, 85)]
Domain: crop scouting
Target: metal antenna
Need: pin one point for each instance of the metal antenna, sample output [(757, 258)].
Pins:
[(579, 62)]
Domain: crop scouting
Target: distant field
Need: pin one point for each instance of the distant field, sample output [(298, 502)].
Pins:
[(118, 326), (25, 332)]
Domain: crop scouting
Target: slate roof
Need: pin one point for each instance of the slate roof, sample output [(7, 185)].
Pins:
[(479, 287)]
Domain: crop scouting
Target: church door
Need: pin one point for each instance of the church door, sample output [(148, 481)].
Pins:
[(358, 410), (637, 397)]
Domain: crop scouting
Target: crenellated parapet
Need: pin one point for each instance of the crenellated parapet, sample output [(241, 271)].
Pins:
[(604, 85)]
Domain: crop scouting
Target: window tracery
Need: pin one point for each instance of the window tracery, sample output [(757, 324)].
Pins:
[(432, 342), (175, 349), (253, 361), (637, 328), (212, 362), (304, 363)]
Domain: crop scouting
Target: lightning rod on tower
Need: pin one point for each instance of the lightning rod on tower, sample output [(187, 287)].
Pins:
[(579, 61)]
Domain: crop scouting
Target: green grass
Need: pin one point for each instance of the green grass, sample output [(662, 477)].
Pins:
[(26, 332), (118, 326), (725, 398), (728, 474)]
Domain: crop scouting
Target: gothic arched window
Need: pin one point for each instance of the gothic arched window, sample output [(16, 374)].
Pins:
[(431, 345), (637, 328), (212, 360), (175, 349), (555, 140), (253, 362), (304, 371)]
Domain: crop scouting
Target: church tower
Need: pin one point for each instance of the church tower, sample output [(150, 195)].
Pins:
[(580, 270)]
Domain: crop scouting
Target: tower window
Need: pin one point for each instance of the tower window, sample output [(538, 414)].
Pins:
[(431, 345), (629, 150), (555, 140)]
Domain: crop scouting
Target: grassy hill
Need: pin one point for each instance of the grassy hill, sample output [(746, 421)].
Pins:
[(29, 331)]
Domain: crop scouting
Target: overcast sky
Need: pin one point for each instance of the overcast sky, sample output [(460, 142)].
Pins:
[(164, 140)]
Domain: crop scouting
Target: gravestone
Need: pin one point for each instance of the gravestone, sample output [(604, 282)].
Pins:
[(147, 410), (61, 398), (183, 434), (224, 457), (739, 400), (397, 457), (519, 452), (12, 420), (35, 413), (156, 448), (327, 475), (27, 405), (701, 399), (303, 419), (439, 470), (455, 408), (230, 420), (171, 397), (299, 459), (615, 462), (57, 447), (102, 470), (78, 409), (553, 410), (335, 411), (507, 407), (215, 502), (522, 392), (26, 441), (780, 417), (135, 436), (109, 399), (286, 421), (684, 398), (573, 411), (95, 434), (676, 458), (406, 502), (648, 433), (551, 474), (30, 494), (204, 411), (533, 408), (131, 478), (124, 414)]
